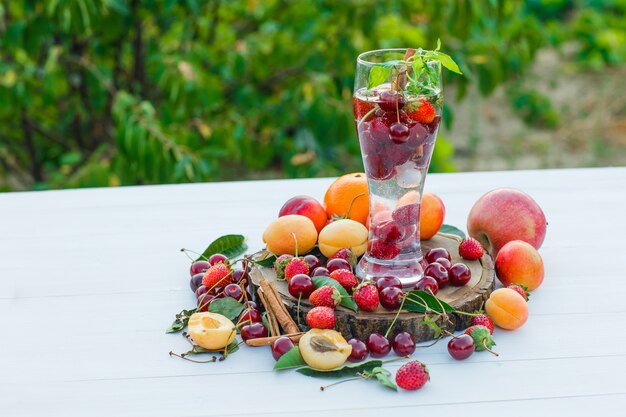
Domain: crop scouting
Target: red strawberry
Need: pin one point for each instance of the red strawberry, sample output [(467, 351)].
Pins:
[(218, 274), (296, 266), (412, 375), (361, 108), (345, 278), (326, 296), (321, 318), (366, 296), (279, 265), (483, 320), (521, 290), (381, 250), (346, 254), (422, 112), (482, 338), (470, 249)]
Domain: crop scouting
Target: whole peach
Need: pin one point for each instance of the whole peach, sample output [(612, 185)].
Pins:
[(432, 214), (308, 207), (503, 215), (507, 309), (519, 263)]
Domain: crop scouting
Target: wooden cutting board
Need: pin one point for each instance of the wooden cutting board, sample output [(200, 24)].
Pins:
[(360, 324)]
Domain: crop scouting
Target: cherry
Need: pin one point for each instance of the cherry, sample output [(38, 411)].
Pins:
[(391, 298), (407, 214), (320, 271), (281, 346), (239, 276), (338, 263), (399, 133), (388, 281), (439, 273), (198, 267), (378, 345), (459, 274), (433, 254), (445, 262), (379, 130), (390, 101), (252, 304), (301, 285), (218, 258), (249, 315), (461, 347), (233, 291), (359, 350), (428, 284), (196, 281), (201, 290), (390, 232), (403, 344), (253, 331), (313, 261), (379, 167)]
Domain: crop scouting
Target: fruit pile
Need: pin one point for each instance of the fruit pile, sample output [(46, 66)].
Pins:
[(506, 223)]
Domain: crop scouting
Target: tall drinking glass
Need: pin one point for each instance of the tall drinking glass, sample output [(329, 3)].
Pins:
[(397, 109)]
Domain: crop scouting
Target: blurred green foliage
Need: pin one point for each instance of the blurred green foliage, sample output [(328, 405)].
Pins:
[(110, 92)]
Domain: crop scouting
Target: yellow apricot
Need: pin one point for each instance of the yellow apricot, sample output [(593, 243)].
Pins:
[(507, 309), (211, 330), (279, 235), (324, 349), (344, 233)]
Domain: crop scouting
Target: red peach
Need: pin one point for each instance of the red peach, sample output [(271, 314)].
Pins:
[(308, 207), (503, 215), (519, 263)]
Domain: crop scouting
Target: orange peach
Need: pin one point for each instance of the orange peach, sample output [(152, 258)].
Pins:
[(290, 233), (432, 214), (308, 207), (507, 309), (519, 262)]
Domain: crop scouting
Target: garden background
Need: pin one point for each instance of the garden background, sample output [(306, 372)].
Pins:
[(113, 92)]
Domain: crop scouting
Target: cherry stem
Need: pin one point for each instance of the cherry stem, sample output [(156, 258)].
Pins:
[(393, 323), (368, 114), (351, 203), (187, 251), (489, 350), (397, 108), (213, 359), (298, 310), (339, 382)]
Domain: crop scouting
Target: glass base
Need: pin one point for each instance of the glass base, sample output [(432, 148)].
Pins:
[(408, 271)]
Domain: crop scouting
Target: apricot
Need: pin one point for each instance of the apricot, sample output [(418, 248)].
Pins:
[(507, 309), (432, 214), (324, 349), (279, 235), (344, 233), (519, 262), (211, 330)]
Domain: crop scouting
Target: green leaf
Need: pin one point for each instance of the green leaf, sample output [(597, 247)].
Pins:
[(382, 375), (343, 371), (346, 300), (448, 62), (266, 262), (181, 320), (291, 359), (421, 302), (432, 324), (228, 245), (446, 228), (378, 75), (226, 306)]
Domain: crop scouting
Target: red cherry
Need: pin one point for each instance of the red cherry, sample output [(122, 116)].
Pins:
[(433, 254), (378, 345), (390, 101), (404, 344), (388, 281), (281, 346), (301, 285), (320, 271), (253, 331), (461, 347), (428, 284), (233, 291), (249, 316), (391, 298), (459, 274), (196, 281), (198, 267), (399, 133), (445, 262), (439, 273), (390, 232), (239, 276), (313, 261), (338, 263), (359, 350), (218, 258)]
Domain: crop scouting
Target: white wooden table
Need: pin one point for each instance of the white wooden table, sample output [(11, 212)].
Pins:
[(90, 279)]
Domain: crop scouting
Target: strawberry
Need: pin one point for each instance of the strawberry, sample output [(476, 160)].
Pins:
[(482, 338), (346, 254), (294, 267), (366, 296), (422, 112), (345, 278), (483, 320), (412, 375), (218, 274), (326, 295), (321, 318), (361, 108), (279, 265), (470, 249), (521, 290)]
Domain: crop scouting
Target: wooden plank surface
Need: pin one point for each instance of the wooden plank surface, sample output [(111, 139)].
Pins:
[(90, 278)]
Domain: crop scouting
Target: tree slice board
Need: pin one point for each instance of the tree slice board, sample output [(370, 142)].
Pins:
[(360, 324)]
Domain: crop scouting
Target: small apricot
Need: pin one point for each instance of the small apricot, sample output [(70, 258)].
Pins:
[(324, 349), (432, 213), (279, 235), (211, 330), (344, 233), (507, 309)]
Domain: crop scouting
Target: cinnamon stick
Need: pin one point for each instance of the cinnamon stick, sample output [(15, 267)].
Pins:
[(278, 308), (271, 319), (264, 341)]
